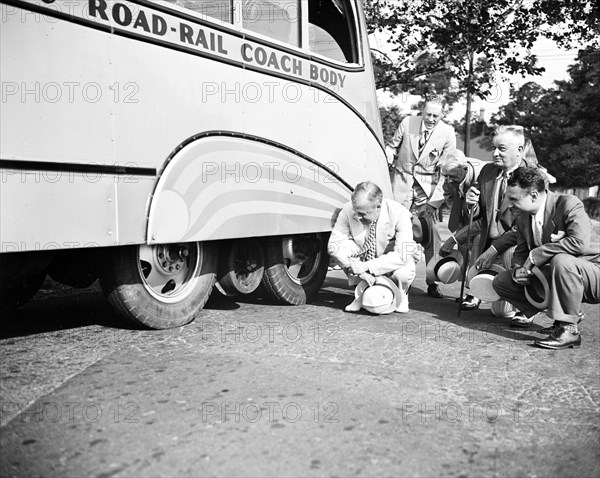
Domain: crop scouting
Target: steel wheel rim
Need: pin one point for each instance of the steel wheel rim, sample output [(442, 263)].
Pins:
[(301, 257), (169, 271)]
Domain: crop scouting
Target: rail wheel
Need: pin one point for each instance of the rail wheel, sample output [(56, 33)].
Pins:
[(160, 286), (242, 267), (295, 267)]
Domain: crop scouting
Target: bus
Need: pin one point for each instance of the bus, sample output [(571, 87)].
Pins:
[(170, 147)]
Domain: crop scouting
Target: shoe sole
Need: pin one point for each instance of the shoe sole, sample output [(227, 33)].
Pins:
[(545, 346)]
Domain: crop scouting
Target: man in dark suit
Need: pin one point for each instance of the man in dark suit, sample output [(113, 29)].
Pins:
[(493, 218), (415, 171), (553, 233), (460, 173)]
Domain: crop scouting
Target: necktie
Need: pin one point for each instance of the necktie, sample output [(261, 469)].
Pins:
[(502, 188), (423, 139), (369, 251), (537, 231)]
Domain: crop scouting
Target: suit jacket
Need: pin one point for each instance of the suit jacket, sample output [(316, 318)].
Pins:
[(567, 230), (423, 168), (394, 236), (485, 210), (455, 197)]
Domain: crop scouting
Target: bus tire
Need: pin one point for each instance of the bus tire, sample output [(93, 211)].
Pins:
[(295, 268), (160, 286), (18, 294)]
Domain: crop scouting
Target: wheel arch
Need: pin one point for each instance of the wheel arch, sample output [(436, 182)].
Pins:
[(223, 185)]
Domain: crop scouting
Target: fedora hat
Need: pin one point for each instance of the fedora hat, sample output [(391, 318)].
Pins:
[(383, 297), (445, 269), (422, 230), (538, 291), (480, 282)]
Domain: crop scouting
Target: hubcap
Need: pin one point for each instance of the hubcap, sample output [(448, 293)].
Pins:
[(168, 271)]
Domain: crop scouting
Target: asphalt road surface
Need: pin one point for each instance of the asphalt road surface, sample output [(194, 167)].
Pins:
[(252, 389)]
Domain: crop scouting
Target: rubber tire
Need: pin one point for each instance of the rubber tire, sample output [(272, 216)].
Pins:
[(17, 295), (121, 283), (277, 284)]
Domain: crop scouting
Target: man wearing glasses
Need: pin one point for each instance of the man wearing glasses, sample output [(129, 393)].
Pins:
[(373, 236)]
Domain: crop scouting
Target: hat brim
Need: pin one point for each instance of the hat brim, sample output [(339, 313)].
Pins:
[(538, 292), (386, 282), (431, 272), (423, 230), (480, 282)]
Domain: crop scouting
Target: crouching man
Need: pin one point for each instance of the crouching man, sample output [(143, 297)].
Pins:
[(373, 237)]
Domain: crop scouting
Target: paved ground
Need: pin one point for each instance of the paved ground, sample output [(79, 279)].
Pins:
[(260, 390)]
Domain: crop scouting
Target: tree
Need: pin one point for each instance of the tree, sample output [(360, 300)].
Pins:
[(563, 122), (474, 41)]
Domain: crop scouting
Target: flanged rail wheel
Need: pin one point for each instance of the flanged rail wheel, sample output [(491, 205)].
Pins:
[(160, 286), (295, 267), (242, 266)]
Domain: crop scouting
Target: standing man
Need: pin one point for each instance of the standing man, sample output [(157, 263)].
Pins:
[(415, 172), (494, 218), (373, 236), (459, 173), (553, 233)]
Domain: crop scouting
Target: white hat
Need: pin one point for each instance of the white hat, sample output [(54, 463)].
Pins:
[(480, 282), (538, 292), (445, 269), (383, 297)]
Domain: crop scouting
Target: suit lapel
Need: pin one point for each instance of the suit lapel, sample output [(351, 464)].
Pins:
[(382, 228), (414, 136), (429, 145), (549, 212)]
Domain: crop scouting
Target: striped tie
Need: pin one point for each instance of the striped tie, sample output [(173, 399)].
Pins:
[(369, 250), (423, 140)]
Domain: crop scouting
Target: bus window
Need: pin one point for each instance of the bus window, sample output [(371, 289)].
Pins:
[(330, 27), (277, 19), (219, 9)]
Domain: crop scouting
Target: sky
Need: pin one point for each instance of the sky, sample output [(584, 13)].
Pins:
[(553, 59)]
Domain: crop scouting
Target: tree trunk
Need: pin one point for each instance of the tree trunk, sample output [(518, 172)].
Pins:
[(467, 147)]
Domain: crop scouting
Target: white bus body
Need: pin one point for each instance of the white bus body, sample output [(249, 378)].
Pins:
[(172, 135)]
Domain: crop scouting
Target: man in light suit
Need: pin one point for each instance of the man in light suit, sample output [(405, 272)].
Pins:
[(553, 233), (493, 218), (373, 236), (460, 173), (415, 171)]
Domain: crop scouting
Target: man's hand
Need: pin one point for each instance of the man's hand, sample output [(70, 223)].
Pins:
[(367, 277), (358, 267), (521, 276), (431, 211), (447, 247), (485, 260), (472, 196)]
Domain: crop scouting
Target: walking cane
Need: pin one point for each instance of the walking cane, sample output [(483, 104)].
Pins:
[(467, 255)]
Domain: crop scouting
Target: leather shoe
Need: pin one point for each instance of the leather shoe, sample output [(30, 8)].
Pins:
[(434, 291), (556, 324), (562, 338), (519, 320), (470, 303)]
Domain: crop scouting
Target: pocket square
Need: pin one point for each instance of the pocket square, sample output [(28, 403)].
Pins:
[(557, 237)]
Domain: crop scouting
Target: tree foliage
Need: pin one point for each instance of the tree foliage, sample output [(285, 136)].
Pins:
[(433, 40), (563, 122)]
